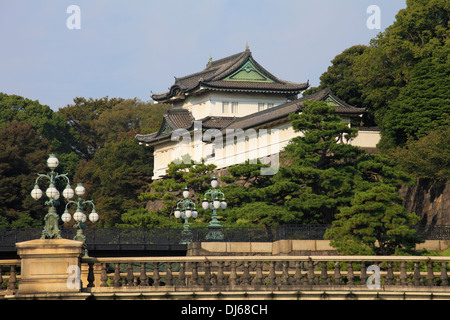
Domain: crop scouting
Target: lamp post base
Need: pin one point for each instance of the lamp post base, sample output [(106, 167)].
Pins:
[(186, 236), (215, 234), (51, 229)]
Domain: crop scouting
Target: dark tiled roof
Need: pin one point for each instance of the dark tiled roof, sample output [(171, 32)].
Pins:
[(217, 122), (173, 119), (214, 73), (182, 118), (178, 118), (264, 116)]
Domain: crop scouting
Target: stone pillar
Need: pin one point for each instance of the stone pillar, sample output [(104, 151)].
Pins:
[(45, 265)]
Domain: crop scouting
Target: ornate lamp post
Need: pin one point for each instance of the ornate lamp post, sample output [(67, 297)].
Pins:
[(211, 200), (51, 229), (79, 215), (186, 209)]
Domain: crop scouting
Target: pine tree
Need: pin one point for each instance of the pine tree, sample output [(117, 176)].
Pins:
[(376, 222)]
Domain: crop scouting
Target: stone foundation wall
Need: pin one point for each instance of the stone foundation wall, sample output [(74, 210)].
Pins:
[(429, 201), (280, 247), (284, 248)]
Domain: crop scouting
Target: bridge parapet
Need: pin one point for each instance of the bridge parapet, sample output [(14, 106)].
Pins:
[(177, 275), (247, 277)]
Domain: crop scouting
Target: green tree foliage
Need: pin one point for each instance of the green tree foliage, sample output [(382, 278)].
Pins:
[(404, 72), (23, 153), (163, 195), (422, 105), (375, 223), (402, 76), (47, 123), (114, 168), (426, 158), (116, 176), (247, 206), (98, 121), (341, 79), (83, 116), (320, 174)]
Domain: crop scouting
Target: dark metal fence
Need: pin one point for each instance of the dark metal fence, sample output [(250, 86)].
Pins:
[(145, 238)]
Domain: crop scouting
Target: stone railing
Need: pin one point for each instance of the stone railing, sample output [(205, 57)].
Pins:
[(238, 277), (219, 275), (9, 277)]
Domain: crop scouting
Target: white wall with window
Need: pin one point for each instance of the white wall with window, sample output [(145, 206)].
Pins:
[(229, 104)]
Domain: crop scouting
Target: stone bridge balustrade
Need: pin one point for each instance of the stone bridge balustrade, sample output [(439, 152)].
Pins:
[(245, 277), (263, 273), (9, 277)]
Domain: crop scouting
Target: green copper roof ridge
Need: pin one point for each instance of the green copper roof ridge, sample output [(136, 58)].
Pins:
[(247, 68)]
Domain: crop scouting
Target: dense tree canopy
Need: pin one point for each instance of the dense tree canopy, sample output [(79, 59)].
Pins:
[(164, 194), (341, 79), (375, 222), (402, 76), (48, 124), (22, 153), (94, 141)]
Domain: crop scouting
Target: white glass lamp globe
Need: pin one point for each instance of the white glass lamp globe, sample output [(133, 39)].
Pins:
[(66, 216), (93, 216), (83, 218), (52, 161), (188, 213), (214, 182), (177, 214), (36, 193), (205, 204), (52, 192), (80, 190), (223, 204), (68, 192), (186, 193), (216, 204), (194, 214), (78, 216)]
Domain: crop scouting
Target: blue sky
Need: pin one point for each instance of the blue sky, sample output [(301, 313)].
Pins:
[(131, 48)]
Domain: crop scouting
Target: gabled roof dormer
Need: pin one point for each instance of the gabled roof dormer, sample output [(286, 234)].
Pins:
[(237, 73)]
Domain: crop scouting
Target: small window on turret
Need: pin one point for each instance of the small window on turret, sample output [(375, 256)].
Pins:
[(225, 107), (234, 107)]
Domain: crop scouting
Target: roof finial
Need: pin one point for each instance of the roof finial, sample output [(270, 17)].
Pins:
[(246, 46), (210, 59)]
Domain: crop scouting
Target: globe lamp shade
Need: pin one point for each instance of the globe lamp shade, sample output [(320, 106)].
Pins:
[(36, 193), (66, 216), (52, 161), (214, 182), (52, 192), (93, 216), (68, 192), (80, 190), (186, 193), (78, 216)]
